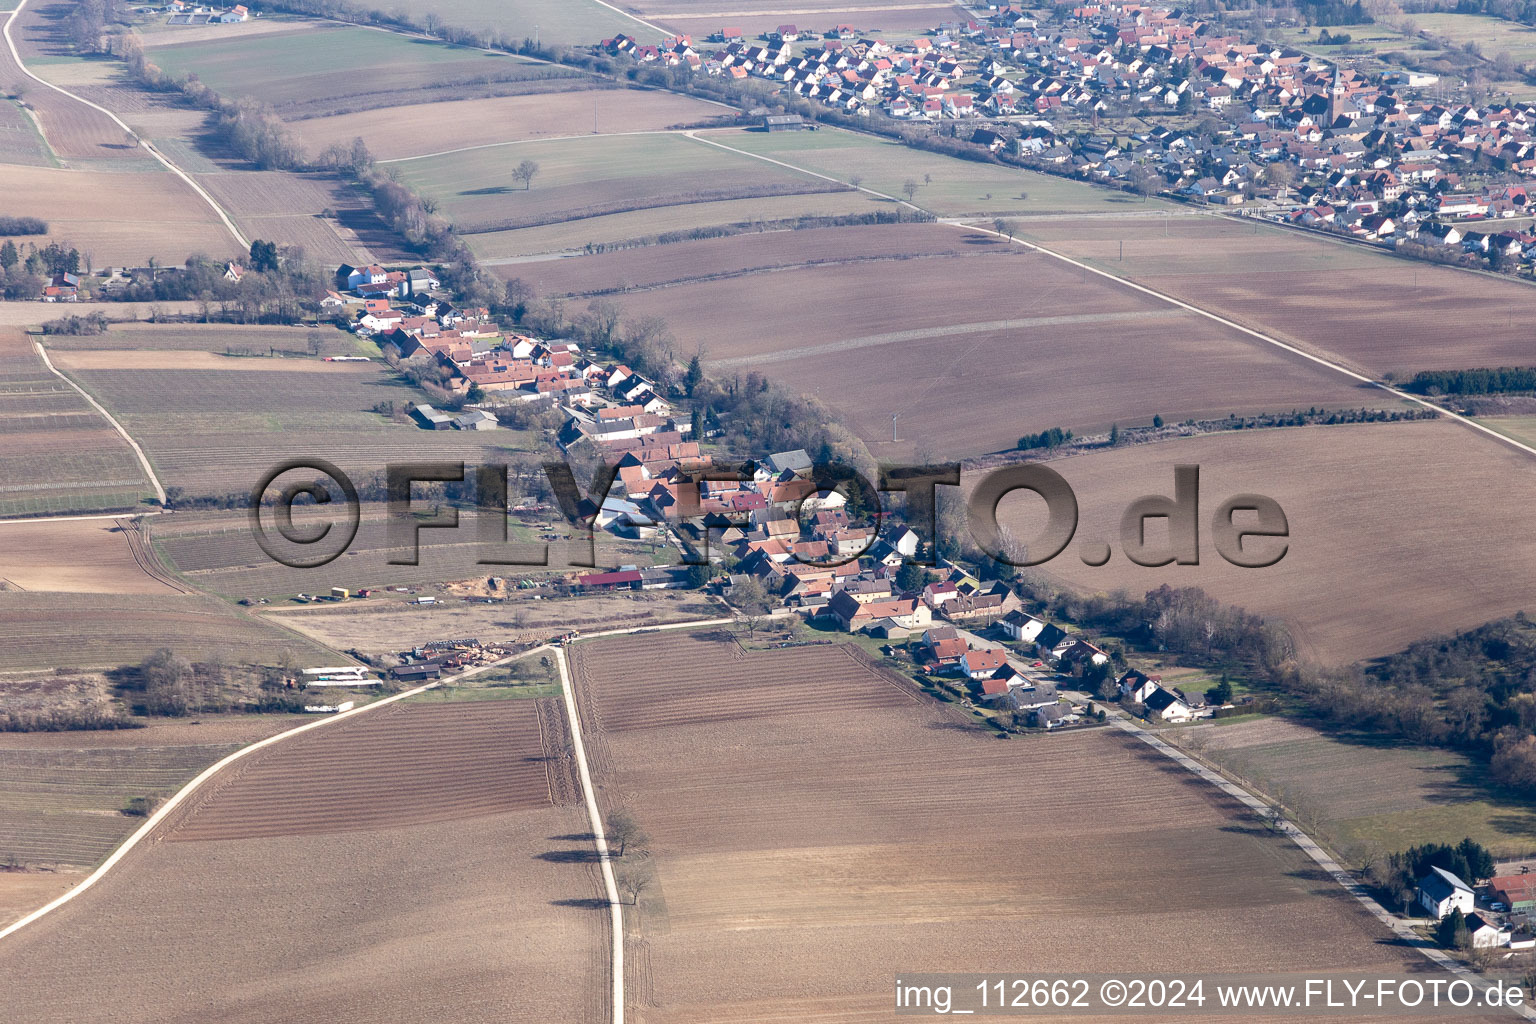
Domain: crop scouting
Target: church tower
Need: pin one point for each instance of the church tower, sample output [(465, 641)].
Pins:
[(1335, 98)]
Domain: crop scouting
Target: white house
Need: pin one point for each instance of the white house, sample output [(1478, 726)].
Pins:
[(1166, 705), (1485, 934), (1441, 892), (1020, 626)]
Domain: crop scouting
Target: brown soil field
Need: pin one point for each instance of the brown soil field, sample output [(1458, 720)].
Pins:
[(815, 831), (92, 556), (401, 132), (22, 892), (654, 266), (120, 218), (1022, 340), (407, 865), (1398, 530), (44, 631), (1373, 312), (386, 628), (203, 729)]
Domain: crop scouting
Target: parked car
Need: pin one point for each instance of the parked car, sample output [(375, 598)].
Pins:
[(1496, 905)]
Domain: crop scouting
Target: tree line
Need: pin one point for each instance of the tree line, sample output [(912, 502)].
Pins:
[(1482, 381)]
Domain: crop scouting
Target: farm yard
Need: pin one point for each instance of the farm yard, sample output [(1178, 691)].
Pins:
[(797, 803), (120, 218), (961, 318), (48, 630), (1346, 302), (593, 176), (385, 628), (1385, 546), (58, 454), (1400, 795), (320, 69), (296, 887), (946, 186), (424, 128)]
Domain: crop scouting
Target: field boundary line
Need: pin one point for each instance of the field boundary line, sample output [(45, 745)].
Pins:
[(177, 798), (1180, 303), (143, 459), (1399, 929), (631, 17), (183, 175), (594, 815), (94, 515)]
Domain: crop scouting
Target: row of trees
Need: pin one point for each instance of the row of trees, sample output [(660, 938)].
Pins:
[(23, 226), (1484, 381)]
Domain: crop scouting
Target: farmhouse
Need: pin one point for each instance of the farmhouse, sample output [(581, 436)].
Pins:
[(854, 616), (1518, 892), (1485, 934), (1441, 892), (1165, 705), (1021, 626)]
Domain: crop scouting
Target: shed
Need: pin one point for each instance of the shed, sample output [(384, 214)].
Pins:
[(785, 123)]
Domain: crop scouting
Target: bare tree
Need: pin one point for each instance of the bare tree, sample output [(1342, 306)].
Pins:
[(633, 882), (753, 623), (524, 172), (856, 180), (623, 831), (910, 188)]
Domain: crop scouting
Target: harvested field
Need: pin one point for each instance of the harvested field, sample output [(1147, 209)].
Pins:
[(567, 22), (936, 338), (1398, 530), (955, 188), (1372, 312), (88, 556), (321, 68), (501, 247), (123, 219), (593, 176), (44, 631), (402, 132), (387, 628), (701, 18), (319, 872), (217, 431), (738, 255), (1400, 795), (799, 807), (57, 454)]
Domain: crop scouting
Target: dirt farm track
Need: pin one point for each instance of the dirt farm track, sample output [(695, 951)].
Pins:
[(420, 863)]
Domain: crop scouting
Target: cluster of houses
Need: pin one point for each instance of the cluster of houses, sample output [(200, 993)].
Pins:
[(179, 12), (1331, 148), (1440, 893)]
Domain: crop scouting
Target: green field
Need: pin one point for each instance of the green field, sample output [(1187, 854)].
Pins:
[(947, 186), (1521, 428), (496, 246), (598, 176), (555, 22), (1492, 35), (1364, 796), (324, 67)]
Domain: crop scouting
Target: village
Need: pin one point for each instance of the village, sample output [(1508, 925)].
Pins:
[(1157, 101)]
